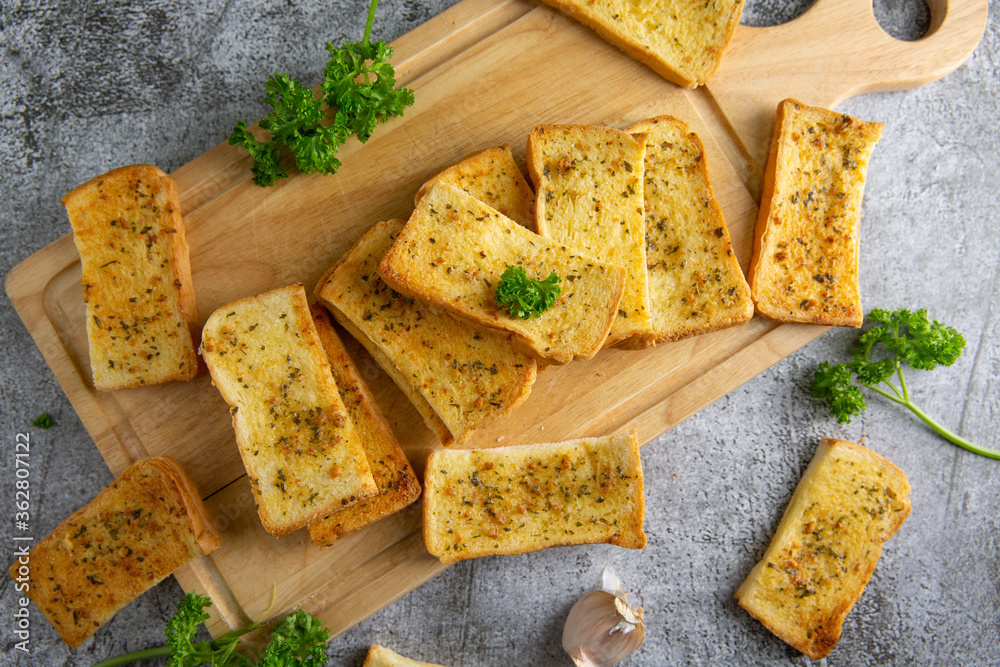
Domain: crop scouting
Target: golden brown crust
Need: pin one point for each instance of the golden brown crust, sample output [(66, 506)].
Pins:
[(459, 377), (138, 530), (302, 455), (696, 285), (141, 312), (681, 41), (849, 502), (396, 481), (492, 177), (805, 259), (511, 500), (589, 196), (454, 249)]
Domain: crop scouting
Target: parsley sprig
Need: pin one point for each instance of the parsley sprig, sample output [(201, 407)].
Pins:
[(524, 297), (360, 86), (911, 339), (297, 641)]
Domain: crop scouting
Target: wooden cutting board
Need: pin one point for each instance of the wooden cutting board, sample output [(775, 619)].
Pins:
[(485, 72)]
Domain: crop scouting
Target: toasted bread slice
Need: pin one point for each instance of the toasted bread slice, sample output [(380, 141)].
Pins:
[(137, 531), (695, 282), (805, 254), (589, 196), (136, 278), (380, 656), (397, 484), (850, 500), (492, 177), (511, 500), (459, 377), (680, 40), (453, 251), (298, 445)]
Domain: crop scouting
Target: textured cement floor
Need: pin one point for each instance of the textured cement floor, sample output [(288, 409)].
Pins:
[(88, 88)]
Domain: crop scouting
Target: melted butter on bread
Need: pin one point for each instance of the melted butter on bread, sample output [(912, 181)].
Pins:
[(297, 442), (136, 278), (848, 503)]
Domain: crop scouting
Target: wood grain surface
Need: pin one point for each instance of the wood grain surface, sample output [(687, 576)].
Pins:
[(484, 72)]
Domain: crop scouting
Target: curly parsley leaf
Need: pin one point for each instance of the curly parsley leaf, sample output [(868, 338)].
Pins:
[(360, 85), (43, 421), (298, 641), (524, 297), (266, 169), (896, 339)]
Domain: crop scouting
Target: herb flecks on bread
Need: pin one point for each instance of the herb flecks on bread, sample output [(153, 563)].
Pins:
[(137, 531), (849, 501), (511, 500), (298, 445), (459, 377), (454, 250), (806, 242), (396, 481), (588, 183), (696, 284), (681, 40), (493, 177), (136, 278)]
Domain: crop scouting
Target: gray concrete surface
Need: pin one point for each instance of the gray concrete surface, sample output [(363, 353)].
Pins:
[(90, 86)]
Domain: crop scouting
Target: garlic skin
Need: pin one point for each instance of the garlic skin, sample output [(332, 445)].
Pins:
[(602, 629)]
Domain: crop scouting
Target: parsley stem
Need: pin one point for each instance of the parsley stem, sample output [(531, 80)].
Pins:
[(370, 21), (948, 435), (207, 649)]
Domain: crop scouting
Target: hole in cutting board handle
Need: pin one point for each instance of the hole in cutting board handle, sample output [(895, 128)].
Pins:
[(768, 13), (905, 20)]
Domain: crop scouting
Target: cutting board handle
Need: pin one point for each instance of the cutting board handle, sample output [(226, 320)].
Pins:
[(864, 58), (835, 50)]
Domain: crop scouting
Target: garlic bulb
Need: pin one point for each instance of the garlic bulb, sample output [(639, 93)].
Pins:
[(602, 629)]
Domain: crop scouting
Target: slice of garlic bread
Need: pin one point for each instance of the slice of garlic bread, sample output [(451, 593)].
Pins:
[(696, 284), (136, 278), (511, 500), (298, 445), (396, 481), (806, 241), (458, 376), (681, 40), (849, 501), (589, 183), (492, 177), (380, 656), (137, 531), (453, 251)]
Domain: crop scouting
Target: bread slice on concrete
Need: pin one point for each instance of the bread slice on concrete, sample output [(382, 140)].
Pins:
[(588, 182), (453, 251), (511, 500), (301, 452), (805, 254), (380, 656), (397, 484), (696, 284), (492, 177), (136, 278), (850, 500), (137, 531), (681, 40), (458, 376)]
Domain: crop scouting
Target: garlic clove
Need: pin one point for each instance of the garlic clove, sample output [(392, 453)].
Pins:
[(602, 628)]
